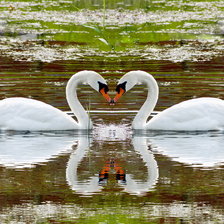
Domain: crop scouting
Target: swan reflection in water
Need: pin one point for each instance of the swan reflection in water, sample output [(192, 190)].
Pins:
[(203, 149), (20, 150), (27, 149), (197, 149), (113, 170)]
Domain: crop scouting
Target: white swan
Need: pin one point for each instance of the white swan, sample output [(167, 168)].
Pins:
[(28, 114), (191, 115)]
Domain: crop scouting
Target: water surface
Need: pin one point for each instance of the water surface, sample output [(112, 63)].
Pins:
[(111, 174)]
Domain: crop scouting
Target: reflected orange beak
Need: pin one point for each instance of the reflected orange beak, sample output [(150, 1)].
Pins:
[(105, 95), (118, 95)]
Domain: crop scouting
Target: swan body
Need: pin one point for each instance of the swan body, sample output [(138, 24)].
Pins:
[(19, 113), (201, 114)]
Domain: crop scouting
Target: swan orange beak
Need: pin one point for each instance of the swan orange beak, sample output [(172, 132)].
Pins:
[(118, 95), (105, 95)]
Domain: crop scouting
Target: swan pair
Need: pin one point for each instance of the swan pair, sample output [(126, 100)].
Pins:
[(196, 114)]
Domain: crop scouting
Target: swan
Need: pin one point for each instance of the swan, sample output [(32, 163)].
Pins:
[(201, 114), (24, 114)]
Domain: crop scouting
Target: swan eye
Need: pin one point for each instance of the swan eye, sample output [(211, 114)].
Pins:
[(103, 86), (121, 86)]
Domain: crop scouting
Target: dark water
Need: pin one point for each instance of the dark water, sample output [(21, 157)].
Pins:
[(111, 174)]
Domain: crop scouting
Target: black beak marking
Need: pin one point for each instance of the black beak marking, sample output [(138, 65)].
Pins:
[(103, 86), (121, 86)]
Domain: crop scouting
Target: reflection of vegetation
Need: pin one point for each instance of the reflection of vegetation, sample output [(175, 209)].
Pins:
[(101, 33), (118, 26), (103, 218), (71, 29), (112, 4)]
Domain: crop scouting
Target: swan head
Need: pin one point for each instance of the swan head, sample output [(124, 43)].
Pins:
[(128, 81), (97, 82)]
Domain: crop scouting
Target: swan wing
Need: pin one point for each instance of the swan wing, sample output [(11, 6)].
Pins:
[(27, 114), (191, 115)]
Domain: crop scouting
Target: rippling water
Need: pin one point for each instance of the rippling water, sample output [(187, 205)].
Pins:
[(111, 174)]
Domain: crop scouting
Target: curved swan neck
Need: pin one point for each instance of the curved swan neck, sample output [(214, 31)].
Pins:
[(140, 120), (74, 104)]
